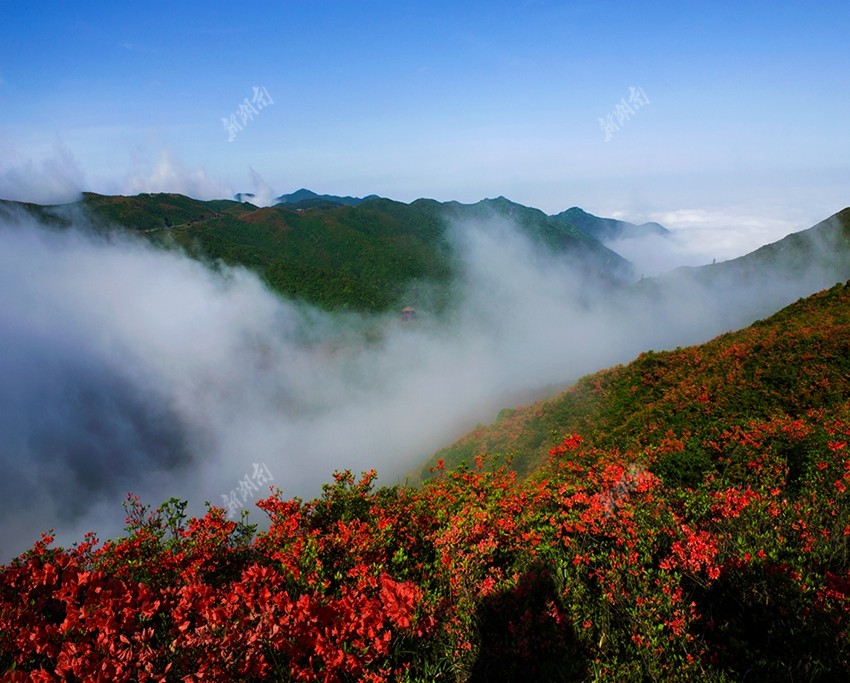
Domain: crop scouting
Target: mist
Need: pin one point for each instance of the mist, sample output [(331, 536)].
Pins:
[(55, 178), (700, 237), (131, 368)]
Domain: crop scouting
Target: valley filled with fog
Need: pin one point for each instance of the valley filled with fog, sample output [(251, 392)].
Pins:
[(133, 368)]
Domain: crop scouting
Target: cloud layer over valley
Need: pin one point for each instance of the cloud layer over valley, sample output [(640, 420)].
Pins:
[(129, 368)]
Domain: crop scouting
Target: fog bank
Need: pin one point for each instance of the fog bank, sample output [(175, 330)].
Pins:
[(129, 368)]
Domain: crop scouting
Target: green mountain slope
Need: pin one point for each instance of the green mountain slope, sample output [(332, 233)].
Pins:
[(368, 258), (607, 229), (555, 235), (152, 211), (375, 255), (821, 251), (362, 258), (305, 198), (795, 361)]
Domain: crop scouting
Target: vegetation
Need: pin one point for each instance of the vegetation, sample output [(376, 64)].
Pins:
[(798, 359), (335, 252), (339, 257), (305, 198), (607, 229), (694, 526)]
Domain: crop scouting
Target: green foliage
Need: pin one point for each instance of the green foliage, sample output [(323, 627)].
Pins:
[(367, 258), (794, 361), (376, 255), (684, 468)]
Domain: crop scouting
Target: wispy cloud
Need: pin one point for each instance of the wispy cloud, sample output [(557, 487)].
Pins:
[(52, 179), (700, 236), (168, 174), (263, 193)]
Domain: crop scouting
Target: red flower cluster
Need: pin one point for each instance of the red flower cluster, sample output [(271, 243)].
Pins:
[(593, 566), (201, 605)]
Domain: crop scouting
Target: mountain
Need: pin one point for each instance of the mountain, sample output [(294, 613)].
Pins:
[(555, 236), (607, 229), (793, 362), (383, 255), (725, 295), (681, 517), (373, 255), (817, 254), (758, 283), (306, 198)]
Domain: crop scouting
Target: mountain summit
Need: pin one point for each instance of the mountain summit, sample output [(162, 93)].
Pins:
[(608, 229), (304, 195)]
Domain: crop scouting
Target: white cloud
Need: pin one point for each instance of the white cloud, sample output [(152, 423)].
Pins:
[(698, 237), (723, 234), (52, 179), (168, 174), (264, 195)]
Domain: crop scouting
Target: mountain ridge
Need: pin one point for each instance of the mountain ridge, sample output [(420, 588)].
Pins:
[(304, 197), (608, 229), (371, 255)]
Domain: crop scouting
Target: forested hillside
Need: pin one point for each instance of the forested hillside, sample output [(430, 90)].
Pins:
[(370, 255)]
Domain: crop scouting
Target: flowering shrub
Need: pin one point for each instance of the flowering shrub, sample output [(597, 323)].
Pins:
[(571, 574), (606, 563)]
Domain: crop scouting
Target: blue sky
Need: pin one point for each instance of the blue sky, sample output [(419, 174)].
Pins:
[(745, 132)]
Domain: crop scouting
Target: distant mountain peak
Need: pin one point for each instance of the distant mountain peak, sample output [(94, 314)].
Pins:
[(608, 229), (305, 195)]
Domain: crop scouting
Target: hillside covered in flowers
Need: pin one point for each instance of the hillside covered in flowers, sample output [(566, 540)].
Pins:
[(690, 522)]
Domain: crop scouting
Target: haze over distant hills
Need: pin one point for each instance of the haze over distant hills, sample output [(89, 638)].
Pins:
[(375, 254)]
